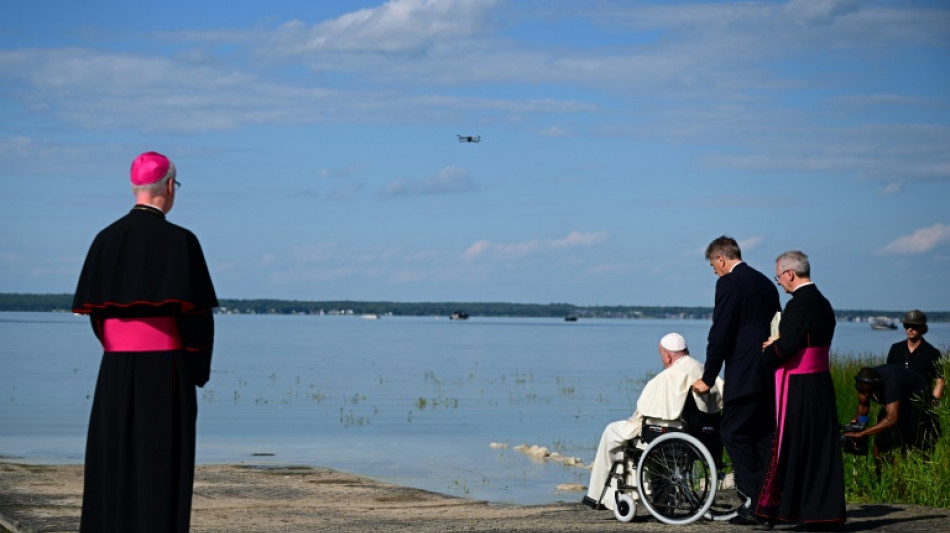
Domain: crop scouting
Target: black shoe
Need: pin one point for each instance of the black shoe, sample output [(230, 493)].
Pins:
[(593, 504), (740, 520), (745, 517)]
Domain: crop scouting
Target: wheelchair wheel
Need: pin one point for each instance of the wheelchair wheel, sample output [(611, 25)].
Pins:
[(677, 479), (728, 499), (625, 508)]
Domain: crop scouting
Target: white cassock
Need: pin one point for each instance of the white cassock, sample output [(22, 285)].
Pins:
[(662, 401)]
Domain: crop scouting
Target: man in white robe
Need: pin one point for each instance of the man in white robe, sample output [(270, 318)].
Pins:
[(661, 402)]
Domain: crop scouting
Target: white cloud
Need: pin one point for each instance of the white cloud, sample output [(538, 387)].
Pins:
[(310, 254), (12, 257), (268, 260), (822, 12), (870, 100), (892, 188), (750, 243), (477, 249), (341, 172), (554, 131), (344, 193), (299, 275), (516, 250), (450, 180), (398, 26), (920, 241)]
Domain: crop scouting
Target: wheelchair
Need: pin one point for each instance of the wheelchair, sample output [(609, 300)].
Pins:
[(676, 471)]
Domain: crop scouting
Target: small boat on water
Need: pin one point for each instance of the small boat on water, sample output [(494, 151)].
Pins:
[(570, 318), (459, 315), (371, 316), (882, 322)]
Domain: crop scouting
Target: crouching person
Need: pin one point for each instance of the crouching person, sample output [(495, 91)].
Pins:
[(906, 419)]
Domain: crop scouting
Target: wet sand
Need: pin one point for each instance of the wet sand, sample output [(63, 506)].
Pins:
[(227, 498)]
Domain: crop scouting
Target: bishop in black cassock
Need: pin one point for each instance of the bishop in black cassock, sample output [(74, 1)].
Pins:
[(146, 288)]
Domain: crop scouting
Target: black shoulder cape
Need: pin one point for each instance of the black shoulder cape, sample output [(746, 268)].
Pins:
[(142, 259)]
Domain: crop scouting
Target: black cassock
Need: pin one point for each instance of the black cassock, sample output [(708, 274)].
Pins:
[(805, 479), (140, 449)]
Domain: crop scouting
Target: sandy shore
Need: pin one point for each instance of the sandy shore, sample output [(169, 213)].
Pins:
[(291, 499)]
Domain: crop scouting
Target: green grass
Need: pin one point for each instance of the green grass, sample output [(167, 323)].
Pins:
[(910, 478)]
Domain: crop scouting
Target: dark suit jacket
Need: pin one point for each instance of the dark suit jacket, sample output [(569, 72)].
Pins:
[(746, 301), (808, 320)]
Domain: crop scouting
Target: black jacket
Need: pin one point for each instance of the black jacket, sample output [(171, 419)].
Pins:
[(746, 301), (808, 320)]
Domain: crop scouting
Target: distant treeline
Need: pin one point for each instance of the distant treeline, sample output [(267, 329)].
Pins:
[(63, 302)]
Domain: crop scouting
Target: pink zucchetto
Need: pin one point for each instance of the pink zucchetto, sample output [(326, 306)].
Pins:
[(150, 167)]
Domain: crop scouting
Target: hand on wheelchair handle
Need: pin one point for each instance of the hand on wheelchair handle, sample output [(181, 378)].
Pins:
[(700, 387)]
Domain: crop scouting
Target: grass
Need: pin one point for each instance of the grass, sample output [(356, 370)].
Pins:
[(908, 478)]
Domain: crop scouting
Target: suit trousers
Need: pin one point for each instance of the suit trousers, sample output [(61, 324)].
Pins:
[(748, 425)]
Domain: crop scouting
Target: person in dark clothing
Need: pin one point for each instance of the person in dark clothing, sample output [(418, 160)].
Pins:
[(805, 480), (917, 354), (746, 302), (906, 421), (146, 288)]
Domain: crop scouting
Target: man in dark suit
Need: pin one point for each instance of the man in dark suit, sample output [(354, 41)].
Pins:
[(746, 302)]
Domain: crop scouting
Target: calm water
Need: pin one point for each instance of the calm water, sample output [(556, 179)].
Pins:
[(414, 401)]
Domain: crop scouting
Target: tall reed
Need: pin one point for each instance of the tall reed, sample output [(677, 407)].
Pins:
[(910, 478)]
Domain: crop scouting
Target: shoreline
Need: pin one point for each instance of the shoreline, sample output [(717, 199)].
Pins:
[(296, 499)]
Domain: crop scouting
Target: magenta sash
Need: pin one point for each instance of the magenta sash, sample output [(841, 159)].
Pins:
[(810, 360), (147, 334)]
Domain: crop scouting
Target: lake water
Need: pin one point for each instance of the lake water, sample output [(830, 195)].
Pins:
[(413, 401)]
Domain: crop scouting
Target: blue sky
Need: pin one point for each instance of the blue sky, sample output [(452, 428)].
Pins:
[(316, 144)]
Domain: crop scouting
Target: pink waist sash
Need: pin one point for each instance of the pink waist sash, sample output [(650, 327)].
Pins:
[(809, 360), (147, 334)]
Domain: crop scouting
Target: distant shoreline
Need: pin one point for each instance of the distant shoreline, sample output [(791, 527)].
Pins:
[(61, 302)]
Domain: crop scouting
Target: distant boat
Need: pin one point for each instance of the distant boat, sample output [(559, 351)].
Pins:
[(370, 316), (459, 315), (882, 322), (570, 318)]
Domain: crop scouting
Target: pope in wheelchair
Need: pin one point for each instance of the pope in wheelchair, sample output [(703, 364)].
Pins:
[(668, 455)]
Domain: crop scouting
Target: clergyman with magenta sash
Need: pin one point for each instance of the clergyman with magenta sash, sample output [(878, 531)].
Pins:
[(804, 481)]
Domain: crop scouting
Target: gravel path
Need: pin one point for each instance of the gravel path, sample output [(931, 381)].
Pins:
[(228, 498)]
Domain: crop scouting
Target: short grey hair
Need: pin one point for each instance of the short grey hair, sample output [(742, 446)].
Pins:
[(796, 261)]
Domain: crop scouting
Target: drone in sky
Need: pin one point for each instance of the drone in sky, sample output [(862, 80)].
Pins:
[(469, 138)]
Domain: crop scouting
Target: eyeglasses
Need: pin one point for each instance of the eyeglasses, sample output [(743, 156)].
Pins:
[(177, 184), (912, 326), (777, 277)]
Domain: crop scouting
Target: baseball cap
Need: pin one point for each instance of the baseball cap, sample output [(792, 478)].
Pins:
[(916, 318)]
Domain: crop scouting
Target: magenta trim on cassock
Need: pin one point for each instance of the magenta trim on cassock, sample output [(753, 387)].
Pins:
[(147, 334)]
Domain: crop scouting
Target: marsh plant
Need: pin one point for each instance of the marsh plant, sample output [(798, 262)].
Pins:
[(911, 477)]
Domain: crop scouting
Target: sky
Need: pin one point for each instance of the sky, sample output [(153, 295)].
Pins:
[(317, 144)]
